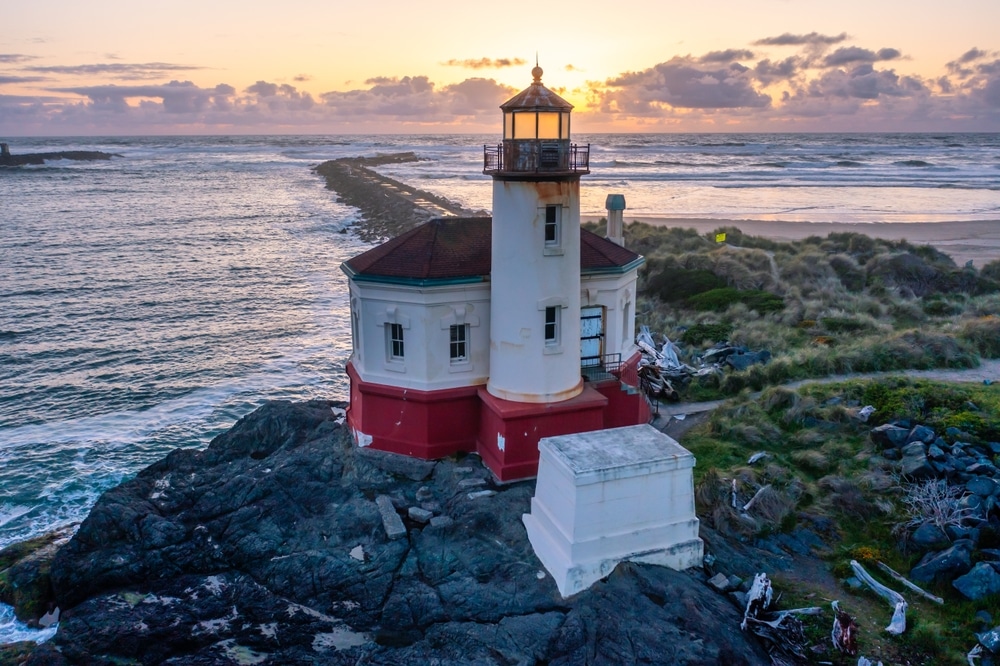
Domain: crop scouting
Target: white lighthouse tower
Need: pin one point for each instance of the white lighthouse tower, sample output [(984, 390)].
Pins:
[(535, 282), (535, 388)]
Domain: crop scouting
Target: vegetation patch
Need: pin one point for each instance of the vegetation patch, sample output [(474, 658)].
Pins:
[(815, 464), (720, 300)]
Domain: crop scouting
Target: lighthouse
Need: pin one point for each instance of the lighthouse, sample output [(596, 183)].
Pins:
[(535, 283), (486, 335)]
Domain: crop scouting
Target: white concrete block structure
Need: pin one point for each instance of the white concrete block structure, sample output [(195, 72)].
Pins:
[(607, 496)]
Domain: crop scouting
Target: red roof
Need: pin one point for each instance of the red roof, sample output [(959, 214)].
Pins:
[(458, 248)]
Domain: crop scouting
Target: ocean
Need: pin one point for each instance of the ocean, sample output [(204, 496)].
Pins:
[(149, 301)]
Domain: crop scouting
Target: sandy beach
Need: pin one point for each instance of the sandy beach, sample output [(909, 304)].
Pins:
[(976, 241)]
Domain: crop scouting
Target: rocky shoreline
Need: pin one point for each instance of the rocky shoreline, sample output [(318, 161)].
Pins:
[(388, 207), (281, 543)]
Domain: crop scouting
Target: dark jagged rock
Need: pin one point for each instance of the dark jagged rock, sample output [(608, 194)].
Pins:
[(9, 160), (929, 537), (24, 574), (268, 547), (944, 565), (982, 581), (889, 436)]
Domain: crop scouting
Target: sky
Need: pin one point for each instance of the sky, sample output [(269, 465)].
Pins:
[(116, 67)]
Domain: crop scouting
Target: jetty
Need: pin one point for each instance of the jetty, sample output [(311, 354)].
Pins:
[(9, 160), (388, 207)]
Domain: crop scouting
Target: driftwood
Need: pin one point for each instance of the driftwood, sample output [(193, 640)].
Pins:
[(845, 631), (758, 598), (898, 624), (756, 496), (918, 590), (782, 630)]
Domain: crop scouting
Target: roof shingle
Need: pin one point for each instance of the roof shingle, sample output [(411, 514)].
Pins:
[(454, 248)]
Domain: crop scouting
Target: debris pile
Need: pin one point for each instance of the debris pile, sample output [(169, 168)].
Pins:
[(662, 371)]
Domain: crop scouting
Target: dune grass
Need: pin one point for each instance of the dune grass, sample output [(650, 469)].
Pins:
[(846, 303)]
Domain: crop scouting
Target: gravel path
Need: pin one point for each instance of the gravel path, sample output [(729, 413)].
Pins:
[(673, 417)]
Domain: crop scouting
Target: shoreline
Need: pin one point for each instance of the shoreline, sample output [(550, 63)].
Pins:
[(977, 240)]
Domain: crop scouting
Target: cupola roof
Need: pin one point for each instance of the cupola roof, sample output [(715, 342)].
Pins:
[(536, 97)]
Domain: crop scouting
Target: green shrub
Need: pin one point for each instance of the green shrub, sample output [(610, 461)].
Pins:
[(991, 270), (843, 324), (699, 333), (673, 284), (936, 306), (719, 300), (983, 335), (851, 275)]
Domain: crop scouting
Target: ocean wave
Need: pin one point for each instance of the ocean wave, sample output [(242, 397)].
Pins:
[(14, 631), (913, 163)]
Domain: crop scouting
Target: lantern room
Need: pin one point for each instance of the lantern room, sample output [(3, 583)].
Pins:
[(536, 126)]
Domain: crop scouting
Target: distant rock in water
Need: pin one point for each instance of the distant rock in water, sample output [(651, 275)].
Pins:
[(272, 546), (9, 160)]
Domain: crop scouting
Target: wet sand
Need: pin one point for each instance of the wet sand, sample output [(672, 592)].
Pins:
[(976, 241)]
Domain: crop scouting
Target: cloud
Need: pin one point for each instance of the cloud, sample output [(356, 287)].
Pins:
[(302, 78), (811, 39), (865, 82), (768, 72), (572, 68), (485, 63), (683, 83), (126, 71), (848, 55), (412, 98), (4, 78), (15, 58), (962, 65), (728, 55), (177, 96)]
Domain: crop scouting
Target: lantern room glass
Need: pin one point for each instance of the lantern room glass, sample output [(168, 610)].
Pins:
[(532, 125)]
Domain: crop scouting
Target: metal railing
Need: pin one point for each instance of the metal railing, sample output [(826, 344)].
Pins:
[(609, 366), (536, 157)]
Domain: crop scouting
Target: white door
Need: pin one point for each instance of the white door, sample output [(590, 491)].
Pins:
[(591, 334)]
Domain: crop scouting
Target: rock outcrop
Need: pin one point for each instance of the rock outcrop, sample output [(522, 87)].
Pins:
[(269, 547), (9, 160)]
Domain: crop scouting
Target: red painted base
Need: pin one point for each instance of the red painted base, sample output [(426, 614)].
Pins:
[(422, 424), (435, 424), (509, 432)]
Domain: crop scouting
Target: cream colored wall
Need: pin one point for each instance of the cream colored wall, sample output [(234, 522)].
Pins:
[(426, 314), (617, 294)]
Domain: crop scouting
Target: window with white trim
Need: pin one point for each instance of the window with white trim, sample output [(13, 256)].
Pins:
[(552, 325), (458, 344), (394, 340), (553, 219)]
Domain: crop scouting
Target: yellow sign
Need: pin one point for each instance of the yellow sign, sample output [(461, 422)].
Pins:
[(720, 238)]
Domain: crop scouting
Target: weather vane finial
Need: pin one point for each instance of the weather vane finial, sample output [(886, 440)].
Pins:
[(537, 71)]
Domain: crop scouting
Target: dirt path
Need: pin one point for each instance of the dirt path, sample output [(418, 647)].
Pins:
[(677, 418)]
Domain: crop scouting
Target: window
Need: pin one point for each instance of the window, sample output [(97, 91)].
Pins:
[(552, 215), (552, 325), (459, 343), (394, 333)]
